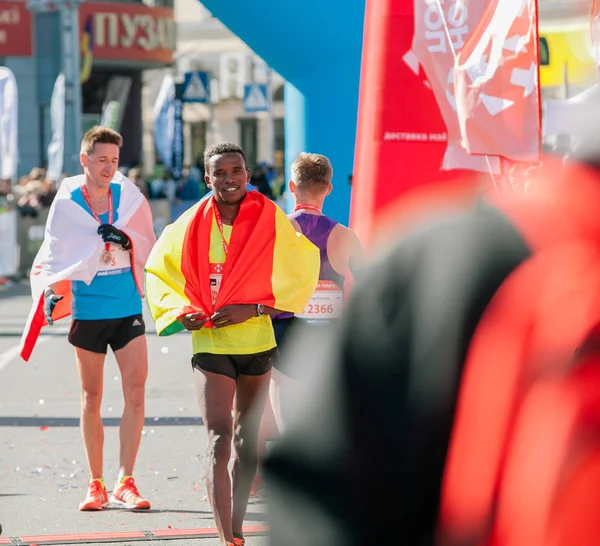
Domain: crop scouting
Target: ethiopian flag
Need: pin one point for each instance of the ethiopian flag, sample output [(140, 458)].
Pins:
[(268, 262)]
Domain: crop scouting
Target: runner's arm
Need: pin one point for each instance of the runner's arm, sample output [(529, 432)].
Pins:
[(357, 253)]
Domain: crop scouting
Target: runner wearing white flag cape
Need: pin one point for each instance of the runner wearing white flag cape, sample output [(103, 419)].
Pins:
[(99, 235)]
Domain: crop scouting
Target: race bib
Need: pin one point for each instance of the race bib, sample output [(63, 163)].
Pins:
[(115, 262), (325, 304), (216, 276)]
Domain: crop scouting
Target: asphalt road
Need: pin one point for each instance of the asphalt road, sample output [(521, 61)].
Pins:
[(43, 474)]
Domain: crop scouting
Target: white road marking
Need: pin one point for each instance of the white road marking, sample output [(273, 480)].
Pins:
[(11, 353)]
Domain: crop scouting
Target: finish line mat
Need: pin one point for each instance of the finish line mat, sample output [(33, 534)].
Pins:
[(126, 536)]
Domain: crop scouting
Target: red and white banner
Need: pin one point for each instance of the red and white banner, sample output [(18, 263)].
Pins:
[(496, 82), (441, 30), (401, 137), (595, 31)]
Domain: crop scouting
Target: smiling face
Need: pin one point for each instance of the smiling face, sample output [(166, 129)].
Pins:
[(101, 165), (227, 176)]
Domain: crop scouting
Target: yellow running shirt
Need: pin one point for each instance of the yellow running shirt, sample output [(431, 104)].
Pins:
[(253, 336)]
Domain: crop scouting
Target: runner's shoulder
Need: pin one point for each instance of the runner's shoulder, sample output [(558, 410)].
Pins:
[(345, 236)]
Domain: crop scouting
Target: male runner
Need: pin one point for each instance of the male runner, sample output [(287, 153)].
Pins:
[(220, 271), (98, 222), (340, 251)]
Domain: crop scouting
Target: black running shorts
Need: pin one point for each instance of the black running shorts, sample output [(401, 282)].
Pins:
[(97, 335), (235, 365), (281, 328)]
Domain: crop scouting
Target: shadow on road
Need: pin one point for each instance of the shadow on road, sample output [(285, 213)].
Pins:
[(14, 494), (108, 422)]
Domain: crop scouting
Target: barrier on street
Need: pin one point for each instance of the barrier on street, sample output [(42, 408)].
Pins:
[(161, 214), (8, 243), (30, 235)]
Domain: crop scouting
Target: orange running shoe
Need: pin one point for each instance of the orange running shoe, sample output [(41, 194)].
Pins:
[(128, 496), (97, 497), (239, 541)]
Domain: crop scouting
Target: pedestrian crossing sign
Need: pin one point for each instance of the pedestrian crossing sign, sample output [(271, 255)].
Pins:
[(195, 87), (256, 97)]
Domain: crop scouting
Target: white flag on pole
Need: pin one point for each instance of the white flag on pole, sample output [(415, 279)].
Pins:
[(9, 124), (164, 121), (56, 148)]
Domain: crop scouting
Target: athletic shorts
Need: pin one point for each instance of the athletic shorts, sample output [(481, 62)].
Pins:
[(281, 328), (235, 365), (97, 335)]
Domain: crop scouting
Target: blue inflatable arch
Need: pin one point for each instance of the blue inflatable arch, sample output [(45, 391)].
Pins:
[(316, 46)]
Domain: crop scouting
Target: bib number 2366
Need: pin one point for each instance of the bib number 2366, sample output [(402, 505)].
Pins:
[(325, 304)]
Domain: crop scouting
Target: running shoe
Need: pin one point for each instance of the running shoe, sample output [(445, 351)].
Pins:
[(128, 496), (97, 497)]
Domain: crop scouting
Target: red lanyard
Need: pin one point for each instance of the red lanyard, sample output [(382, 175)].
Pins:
[(88, 201), (220, 226), (307, 207)]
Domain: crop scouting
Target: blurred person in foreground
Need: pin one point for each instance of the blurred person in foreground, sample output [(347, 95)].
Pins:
[(90, 265), (474, 304), (220, 271)]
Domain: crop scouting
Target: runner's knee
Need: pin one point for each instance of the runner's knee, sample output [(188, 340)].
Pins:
[(245, 440), (134, 395), (219, 443), (91, 400)]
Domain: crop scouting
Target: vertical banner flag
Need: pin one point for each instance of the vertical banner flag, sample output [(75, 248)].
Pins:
[(115, 102), (177, 162), (164, 120), (496, 81), (401, 137), (595, 31), (9, 124), (87, 51), (441, 30), (56, 148)]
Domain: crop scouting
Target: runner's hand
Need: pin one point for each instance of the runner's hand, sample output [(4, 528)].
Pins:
[(233, 314), (193, 321), (50, 301), (110, 234)]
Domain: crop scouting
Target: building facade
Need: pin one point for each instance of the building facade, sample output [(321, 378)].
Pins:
[(118, 42), (205, 44)]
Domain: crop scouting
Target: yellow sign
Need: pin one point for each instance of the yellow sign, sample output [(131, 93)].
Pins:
[(566, 53)]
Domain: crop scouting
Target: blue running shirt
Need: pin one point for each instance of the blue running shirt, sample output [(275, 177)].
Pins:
[(112, 293)]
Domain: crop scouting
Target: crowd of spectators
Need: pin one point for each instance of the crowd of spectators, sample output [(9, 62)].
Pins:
[(34, 192)]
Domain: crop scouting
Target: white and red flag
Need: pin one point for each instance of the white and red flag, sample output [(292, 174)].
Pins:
[(441, 30), (496, 82)]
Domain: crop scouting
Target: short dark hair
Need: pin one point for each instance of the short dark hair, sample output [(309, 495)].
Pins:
[(99, 135), (220, 149)]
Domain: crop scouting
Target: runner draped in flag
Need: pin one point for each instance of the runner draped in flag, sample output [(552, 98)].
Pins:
[(98, 236), (220, 271)]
